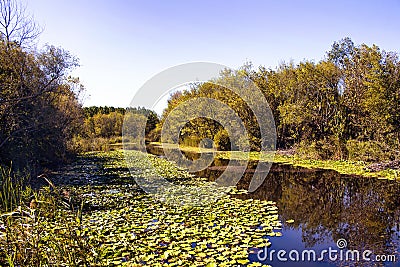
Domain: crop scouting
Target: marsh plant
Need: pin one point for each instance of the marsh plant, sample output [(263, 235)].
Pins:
[(40, 228), (11, 189)]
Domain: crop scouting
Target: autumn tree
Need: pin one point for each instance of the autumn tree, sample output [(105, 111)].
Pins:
[(344, 106), (40, 109)]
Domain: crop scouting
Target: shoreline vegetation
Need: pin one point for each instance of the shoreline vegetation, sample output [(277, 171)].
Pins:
[(359, 168), (341, 112)]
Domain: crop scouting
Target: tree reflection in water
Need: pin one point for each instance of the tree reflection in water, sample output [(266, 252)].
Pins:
[(326, 205)]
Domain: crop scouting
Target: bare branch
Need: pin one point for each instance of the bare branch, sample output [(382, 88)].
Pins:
[(16, 25)]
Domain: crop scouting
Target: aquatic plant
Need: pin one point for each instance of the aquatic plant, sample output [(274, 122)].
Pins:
[(105, 219)]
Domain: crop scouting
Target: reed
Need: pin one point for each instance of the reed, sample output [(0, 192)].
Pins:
[(12, 189)]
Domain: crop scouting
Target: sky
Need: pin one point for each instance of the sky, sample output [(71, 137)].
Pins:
[(123, 44)]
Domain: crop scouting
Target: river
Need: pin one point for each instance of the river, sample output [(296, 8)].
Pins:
[(319, 207)]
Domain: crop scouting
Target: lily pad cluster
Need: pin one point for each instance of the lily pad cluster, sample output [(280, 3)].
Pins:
[(124, 226), (152, 233), (142, 229)]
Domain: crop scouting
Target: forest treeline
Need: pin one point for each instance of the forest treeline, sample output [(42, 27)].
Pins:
[(42, 119), (346, 106), (103, 126)]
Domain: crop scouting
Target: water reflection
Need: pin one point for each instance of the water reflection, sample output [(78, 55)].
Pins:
[(326, 206)]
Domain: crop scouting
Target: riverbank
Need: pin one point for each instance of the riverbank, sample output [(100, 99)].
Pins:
[(342, 166), (359, 168)]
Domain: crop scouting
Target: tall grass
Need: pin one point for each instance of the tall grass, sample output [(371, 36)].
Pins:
[(12, 189), (40, 227)]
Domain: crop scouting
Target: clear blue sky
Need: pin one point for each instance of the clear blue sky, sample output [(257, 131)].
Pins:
[(122, 44)]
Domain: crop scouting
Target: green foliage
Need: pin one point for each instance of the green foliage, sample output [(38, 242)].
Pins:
[(190, 141), (117, 224), (45, 233), (341, 166), (91, 144), (321, 149), (93, 110), (152, 227), (231, 104), (369, 151), (352, 95), (104, 126)]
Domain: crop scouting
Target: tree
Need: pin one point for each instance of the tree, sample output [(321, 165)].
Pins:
[(40, 109), (15, 25), (39, 106), (370, 89), (348, 101), (103, 125)]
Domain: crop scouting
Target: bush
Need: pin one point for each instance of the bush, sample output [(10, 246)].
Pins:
[(329, 148), (91, 144), (370, 151), (190, 141), (154, 135), (307, 150)]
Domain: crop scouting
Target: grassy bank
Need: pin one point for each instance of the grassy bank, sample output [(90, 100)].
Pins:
[(341, 166), (192, 149)]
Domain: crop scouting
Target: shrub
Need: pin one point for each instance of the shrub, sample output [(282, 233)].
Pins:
[(369, 151), (328, 148), (91, 144)]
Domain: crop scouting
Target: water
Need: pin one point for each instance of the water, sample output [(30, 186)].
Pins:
[(325, 206)]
